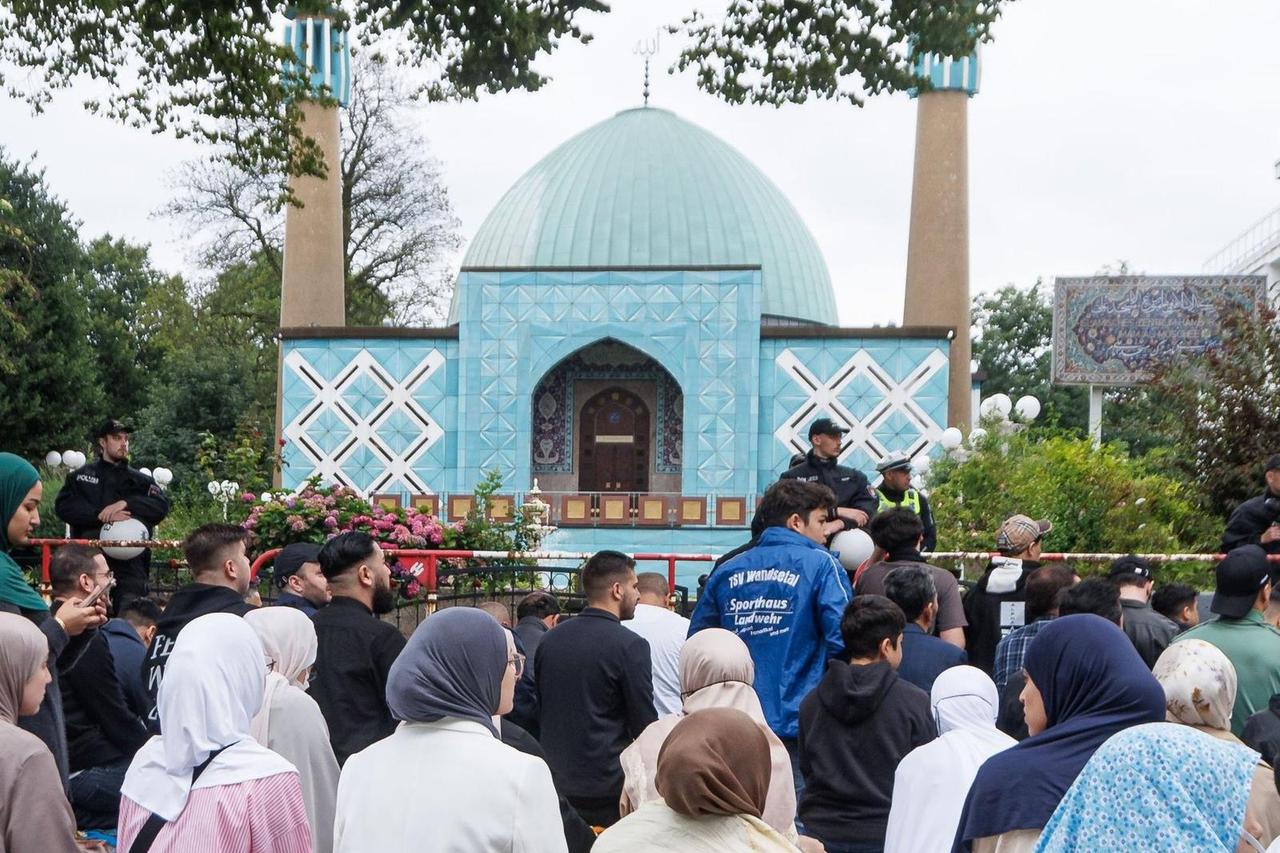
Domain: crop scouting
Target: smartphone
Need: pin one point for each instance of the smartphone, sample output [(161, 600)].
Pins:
[(98, 593)]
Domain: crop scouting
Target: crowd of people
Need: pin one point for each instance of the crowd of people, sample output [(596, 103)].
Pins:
[(800, 706)]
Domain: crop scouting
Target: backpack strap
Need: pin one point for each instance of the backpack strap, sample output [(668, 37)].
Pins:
[(147, 835)]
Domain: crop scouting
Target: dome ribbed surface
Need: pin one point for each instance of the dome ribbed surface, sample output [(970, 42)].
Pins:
[(646, 188)]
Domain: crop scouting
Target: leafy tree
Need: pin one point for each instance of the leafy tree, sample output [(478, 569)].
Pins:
[(117, 281), (398, 223), (210, 69), (1013, 347), (47, 366), (1228, 407), (779, 51)]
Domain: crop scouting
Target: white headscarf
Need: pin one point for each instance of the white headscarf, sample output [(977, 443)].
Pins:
[(213, 685), (931, 783), (289, 641)]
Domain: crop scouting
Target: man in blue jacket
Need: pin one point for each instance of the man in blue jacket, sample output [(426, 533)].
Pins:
[(784, 598)]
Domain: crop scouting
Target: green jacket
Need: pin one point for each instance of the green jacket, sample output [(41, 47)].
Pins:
[(1253, 647)]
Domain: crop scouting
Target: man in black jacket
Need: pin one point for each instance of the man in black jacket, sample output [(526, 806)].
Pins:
[(103, 732), (109, 490), (355, 648), (1257, 520), (1150, 632), (856, 501), (997, 603), (216, 555), (855, 727), (595, 689)]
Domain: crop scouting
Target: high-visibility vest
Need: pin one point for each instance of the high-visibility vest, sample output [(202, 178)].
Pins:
[(910, 499)]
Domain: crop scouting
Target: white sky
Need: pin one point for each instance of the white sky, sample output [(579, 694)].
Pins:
[(1142, 130)]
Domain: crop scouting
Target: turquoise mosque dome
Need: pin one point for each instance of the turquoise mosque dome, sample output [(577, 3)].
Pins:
[(646, 189)]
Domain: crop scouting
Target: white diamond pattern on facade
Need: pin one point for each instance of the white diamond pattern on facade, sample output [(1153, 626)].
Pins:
[(827, 398), (354, 406)]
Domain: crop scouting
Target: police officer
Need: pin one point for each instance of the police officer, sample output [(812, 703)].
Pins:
[(895, 491), (855, 499), (1257, 520), (109, 490)]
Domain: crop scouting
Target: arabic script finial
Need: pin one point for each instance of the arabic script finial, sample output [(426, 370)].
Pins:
[(647, 48)]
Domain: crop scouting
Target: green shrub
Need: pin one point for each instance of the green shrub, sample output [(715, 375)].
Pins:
[(1098, 498)]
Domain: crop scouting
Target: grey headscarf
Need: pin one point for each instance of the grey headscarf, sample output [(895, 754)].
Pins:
[(452, 667)]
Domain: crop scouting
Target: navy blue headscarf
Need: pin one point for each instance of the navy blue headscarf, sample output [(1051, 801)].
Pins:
[(452, 666), (1093, 684)]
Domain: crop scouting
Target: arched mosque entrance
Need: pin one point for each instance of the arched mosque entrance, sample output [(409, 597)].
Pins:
[(607, 418)]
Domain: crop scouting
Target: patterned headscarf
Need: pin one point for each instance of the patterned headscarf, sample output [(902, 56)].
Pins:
[(1199, 684), (1147, 788)]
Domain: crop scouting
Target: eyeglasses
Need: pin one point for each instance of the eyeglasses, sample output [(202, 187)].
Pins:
[(518, 662)]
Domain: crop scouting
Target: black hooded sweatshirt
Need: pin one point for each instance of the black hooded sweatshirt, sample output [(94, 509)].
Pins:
[(187, 604), (855, 727)]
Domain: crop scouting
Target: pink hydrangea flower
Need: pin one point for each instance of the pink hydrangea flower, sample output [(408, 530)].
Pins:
[(331, 522)]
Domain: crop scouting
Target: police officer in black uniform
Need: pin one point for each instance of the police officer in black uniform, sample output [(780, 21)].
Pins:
[(895, 492), (856, 501), (109, 490), (1257, 520)]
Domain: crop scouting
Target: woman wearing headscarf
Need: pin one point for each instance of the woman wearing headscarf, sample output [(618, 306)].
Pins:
[(931, 783), (713, 779), (716, 671), (456, 674), (66, 634), (1157, 787), (205, 784), (1200, 691), (1085, 682), (35, 816), (290, 722)]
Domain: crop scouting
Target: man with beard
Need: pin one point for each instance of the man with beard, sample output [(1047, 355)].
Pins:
[(108, 490), (356, 648)]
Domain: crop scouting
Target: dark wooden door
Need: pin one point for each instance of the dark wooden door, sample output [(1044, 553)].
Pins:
[(614, 426)]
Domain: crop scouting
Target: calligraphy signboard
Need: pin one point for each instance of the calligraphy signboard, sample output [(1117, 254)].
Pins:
[(1120, 330)]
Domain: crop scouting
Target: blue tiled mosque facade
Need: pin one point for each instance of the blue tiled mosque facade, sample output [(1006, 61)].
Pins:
[(643, 300)]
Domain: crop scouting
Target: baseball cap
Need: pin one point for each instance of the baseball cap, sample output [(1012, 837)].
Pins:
[(1131, 565), (1273, 462), (826, 426), (111, 426), (894, 461), (1239, 577), (292, 557), (1020, 532)]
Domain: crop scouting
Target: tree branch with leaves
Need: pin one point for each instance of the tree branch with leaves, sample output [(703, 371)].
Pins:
[(780, 51)]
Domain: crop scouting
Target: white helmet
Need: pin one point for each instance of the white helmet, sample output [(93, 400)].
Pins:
[(853, 548), (128, 530)]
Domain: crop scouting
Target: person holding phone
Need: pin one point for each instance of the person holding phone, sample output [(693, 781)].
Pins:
[(67, 632), (103, 732)]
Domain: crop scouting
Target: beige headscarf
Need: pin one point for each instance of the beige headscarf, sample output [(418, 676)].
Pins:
[(716, 671), (289, 641), (1199, 684), (22, 648)]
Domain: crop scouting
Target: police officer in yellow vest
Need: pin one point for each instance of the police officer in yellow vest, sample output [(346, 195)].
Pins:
[(895, 491)]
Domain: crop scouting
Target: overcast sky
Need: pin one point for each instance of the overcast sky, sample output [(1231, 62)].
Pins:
[(1106, 130)]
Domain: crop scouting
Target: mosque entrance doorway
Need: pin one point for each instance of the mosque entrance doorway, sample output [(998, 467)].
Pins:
[(615, 443), (607, 418)]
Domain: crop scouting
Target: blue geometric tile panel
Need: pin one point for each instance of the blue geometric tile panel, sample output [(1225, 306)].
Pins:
[(890, 392), (376, 414)]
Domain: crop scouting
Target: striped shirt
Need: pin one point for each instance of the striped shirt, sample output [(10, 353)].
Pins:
[(259, 816)]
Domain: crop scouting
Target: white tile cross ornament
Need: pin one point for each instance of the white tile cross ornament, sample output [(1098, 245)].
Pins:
[(823, 398), (338, 431)]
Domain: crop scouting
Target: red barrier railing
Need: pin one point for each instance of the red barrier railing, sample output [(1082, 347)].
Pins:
[(428, 576)]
